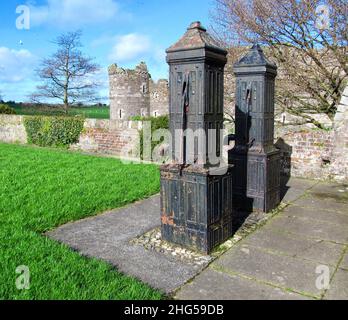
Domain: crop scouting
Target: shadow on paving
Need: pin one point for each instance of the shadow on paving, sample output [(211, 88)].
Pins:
[(285, 258)]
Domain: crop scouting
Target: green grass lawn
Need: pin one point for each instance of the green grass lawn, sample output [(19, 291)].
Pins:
[(94, 112), (44, 188)]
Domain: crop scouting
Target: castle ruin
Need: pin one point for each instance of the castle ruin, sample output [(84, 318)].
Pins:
[(134, 93)]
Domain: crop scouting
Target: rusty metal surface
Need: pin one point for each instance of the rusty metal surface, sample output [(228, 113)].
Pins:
[(196, 208)]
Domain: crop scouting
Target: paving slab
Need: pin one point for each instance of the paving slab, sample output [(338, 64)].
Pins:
[(316, 214), (294, 188), (301, 184), (322, 204), (291, 195), (338, 286), (344, 263), (232, 287), (286, 272), (298, 246), (108, 237), (310, 228), (286, 252), (277, 261), (338, 192)]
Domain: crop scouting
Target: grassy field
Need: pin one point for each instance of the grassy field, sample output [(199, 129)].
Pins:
[(42, 189), (94, 112)]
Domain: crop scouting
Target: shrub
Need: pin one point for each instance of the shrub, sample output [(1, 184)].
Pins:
[(5, 109), (136, 118), (53, 131), (159, 122)]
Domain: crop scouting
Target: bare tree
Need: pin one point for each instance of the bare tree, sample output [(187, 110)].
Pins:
[(67, 75), (308, 41)]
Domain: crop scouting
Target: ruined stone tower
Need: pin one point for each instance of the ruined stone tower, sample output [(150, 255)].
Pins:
[(159, 98), (129, 92)]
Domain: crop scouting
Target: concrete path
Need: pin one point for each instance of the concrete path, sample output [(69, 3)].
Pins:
[(290, 256), (285, 259), (108, 237)]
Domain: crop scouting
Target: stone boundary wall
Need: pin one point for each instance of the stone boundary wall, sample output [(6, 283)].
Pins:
[(314, 154), (307, 153), (339, 167), (12, 129), (110, 137)]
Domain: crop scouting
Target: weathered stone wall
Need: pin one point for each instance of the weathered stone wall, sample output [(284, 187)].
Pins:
[(110, 137), (317, 154), (129, 92), (12, 129), (339, 167), (159, 98), (306, 153)]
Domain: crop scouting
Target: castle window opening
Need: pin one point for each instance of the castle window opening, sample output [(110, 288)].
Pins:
[(120, 114), (144, 88)]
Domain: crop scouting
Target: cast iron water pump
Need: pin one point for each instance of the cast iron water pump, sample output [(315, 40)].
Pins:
[(196, 190)]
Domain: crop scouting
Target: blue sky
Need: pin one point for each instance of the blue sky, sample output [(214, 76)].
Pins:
[(121, 31)]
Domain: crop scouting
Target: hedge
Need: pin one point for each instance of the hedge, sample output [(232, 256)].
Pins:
[(53, 131), (5, 109)]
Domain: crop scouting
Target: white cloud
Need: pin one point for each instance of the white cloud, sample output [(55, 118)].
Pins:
[(74, 13), (15, 65), (16, 73), (127, 50), (130, 47)]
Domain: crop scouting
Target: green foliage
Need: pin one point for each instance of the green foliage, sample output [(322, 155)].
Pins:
[(5, 109), (156, 123), (136, 118), (53, 131), (99, 111), (323, 128), (159, 122), (41, 189)]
